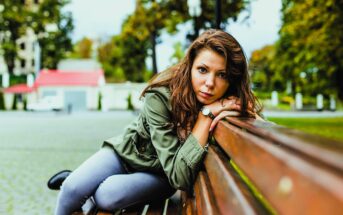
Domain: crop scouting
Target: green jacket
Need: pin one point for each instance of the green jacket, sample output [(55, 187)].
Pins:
[(150, 143)]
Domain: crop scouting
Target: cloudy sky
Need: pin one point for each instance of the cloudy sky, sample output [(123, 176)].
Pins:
[(103, 18)]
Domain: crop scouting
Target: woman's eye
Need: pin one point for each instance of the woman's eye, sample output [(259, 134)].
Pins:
[(201, 69), (222, 75)]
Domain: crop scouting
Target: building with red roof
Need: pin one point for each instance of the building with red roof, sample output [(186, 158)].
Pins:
[(78, 90)]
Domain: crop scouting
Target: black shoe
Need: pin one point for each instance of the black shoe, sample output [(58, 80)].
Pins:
[(56, 180)]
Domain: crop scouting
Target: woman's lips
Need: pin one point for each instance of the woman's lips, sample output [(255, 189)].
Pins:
[(205, 95)]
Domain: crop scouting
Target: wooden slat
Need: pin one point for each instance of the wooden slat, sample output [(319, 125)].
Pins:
[(188, 204), (321, 150), (204, 197), (291, 184), (231, 196), (104, 213)]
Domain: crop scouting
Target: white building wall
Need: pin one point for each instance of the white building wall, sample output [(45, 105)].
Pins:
[(92, 94), (114, 96), (8, 99), (26, 54), (92, 98)]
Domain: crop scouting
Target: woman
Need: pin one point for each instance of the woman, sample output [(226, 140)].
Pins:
[(163, 149)]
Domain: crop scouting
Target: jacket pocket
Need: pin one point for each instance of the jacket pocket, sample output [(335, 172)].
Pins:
[(143, 148)]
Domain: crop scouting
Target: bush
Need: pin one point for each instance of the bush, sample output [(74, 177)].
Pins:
[(99, 101), (287, 100), (129, 103), (2, 101), (14, 105)]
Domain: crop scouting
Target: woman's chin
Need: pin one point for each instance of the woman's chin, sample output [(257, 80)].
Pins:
[(205, 101)]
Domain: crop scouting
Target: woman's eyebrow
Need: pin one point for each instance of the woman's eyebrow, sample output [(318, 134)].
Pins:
[(219, 70), (204, 65)]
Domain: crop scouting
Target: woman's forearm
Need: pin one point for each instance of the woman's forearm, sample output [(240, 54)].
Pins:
[(201, 129)]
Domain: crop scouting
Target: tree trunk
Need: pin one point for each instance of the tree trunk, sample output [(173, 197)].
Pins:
[(10, 62), (339, 83), (153, 47), (218, 14), (196, 27)]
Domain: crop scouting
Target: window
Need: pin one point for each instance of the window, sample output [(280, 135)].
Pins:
[(22, 46), (36, 1), (22, 63)]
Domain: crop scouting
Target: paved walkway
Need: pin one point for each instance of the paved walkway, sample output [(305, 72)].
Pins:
[(34, 146)]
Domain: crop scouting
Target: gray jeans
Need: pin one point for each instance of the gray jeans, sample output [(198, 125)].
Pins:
[(103, 177)]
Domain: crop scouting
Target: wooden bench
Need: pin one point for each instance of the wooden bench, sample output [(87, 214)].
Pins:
[(171, 206), (257, 167)]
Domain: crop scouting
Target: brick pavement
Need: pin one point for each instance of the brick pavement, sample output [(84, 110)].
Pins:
[(33, 146)]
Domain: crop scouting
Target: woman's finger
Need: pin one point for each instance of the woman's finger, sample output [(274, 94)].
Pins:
[(222, 115)]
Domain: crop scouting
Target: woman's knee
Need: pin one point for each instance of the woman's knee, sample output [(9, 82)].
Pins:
[(70, 189), (105, 201)]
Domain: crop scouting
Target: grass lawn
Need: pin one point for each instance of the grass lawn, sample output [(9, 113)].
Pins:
[(328, 127)]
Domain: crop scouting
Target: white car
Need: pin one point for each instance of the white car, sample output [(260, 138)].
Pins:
[(47, 103)]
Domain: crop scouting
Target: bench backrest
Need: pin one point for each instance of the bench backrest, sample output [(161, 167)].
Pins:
[(261, 168)]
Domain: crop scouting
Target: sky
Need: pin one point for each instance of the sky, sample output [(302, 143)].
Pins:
[(103, 18)]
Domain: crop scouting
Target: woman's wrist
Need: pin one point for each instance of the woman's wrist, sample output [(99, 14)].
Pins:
[(207, 112), (214, 108)]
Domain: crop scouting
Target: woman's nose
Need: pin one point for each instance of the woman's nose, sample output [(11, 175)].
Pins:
[(209, 82)]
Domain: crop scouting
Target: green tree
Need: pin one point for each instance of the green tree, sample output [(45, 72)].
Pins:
[(207, 19), (149, 20), (57, 43), (16, 17), (310, 50), (263, 64), (110, 55), (142, 29), (12, 26), (83, 48)]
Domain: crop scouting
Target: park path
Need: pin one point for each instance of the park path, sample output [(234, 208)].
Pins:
[(33, 146)]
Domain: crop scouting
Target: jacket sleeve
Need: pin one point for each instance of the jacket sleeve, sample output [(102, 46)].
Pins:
[(180, 162)]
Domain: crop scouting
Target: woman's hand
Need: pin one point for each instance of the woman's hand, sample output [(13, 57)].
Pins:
[(230, 106), (231, 103), (222, 115)]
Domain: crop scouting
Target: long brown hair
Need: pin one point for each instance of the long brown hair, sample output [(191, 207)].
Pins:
[(185, 106)]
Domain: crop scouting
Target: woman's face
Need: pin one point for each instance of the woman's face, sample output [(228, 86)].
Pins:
[(209, 77)]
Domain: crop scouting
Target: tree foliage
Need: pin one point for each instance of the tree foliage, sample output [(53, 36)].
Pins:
[(57, 43), (12, 21), (310, 51), (111, 57), (148, 21), (207, 19), (82, 49), (263, 65), (137, 41), (142, 29), (16, 17)]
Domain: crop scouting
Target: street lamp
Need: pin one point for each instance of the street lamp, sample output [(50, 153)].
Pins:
[(194, 10), (218, 14)]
